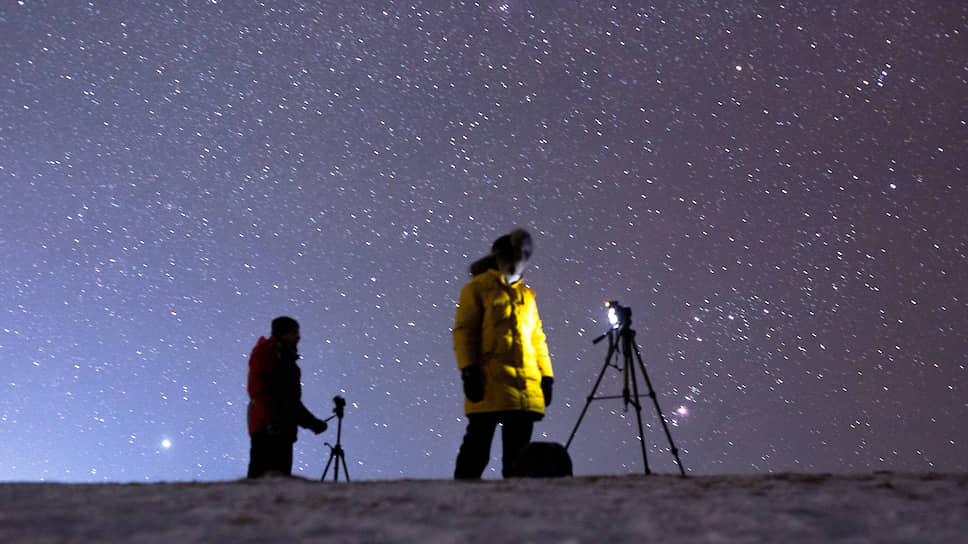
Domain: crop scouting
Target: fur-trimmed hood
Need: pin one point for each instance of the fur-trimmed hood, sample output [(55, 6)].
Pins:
[(505, 245)]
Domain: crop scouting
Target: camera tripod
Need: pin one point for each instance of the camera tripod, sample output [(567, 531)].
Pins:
[(336, 451), (621, 340)]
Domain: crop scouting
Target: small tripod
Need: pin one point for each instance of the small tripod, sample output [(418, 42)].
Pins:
[(336, 452), (621, 339)]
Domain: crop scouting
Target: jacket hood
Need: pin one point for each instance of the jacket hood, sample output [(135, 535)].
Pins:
[(505, 245), (265, 343)]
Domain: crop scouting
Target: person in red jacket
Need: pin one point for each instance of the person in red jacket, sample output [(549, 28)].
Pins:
[(275, 400)]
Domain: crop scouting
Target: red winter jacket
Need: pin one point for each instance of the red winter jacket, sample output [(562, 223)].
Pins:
[(275, 394)]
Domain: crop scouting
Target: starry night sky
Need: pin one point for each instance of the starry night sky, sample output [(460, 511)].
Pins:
[(777, 190)]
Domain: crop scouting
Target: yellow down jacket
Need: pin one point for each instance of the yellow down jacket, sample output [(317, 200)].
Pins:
[(498, 328)]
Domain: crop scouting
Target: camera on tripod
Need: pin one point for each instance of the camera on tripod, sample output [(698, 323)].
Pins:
[(336, 451), (619, 320), (625, 352), (620, 317), (338, 404)]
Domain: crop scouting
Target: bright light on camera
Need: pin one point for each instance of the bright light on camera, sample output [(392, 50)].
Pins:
[(613, 317), (618, 316)]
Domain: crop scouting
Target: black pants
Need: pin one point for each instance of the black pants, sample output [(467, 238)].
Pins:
[(475, 451), (270, 453)]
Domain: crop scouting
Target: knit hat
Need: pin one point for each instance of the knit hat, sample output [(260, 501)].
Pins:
[(282, 325)]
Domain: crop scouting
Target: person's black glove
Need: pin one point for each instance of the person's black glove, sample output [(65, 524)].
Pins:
[(318, 426), (546, 384), (473, 383)]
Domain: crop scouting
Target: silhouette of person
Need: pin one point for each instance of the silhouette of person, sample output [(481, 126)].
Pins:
[(275, 400)]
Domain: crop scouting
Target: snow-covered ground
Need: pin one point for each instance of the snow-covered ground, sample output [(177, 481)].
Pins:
[(784, 508)]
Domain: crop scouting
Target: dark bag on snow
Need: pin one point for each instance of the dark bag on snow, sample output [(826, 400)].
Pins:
[(543, 460)]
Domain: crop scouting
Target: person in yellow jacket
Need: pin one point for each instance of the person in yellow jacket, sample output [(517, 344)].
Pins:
[(502, 355)]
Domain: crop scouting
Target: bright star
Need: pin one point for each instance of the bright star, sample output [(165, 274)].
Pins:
[(166, 443)]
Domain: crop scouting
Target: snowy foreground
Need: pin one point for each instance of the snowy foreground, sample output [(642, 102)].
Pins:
[(786, 508)]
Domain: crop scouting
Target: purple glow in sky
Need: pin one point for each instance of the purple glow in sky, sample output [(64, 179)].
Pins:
[(776, 190)]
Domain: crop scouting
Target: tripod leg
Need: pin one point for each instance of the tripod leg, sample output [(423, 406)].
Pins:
[(655, 401), (336, 452), (326, 470), (630, 368), (611, 351), (345, 471)]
